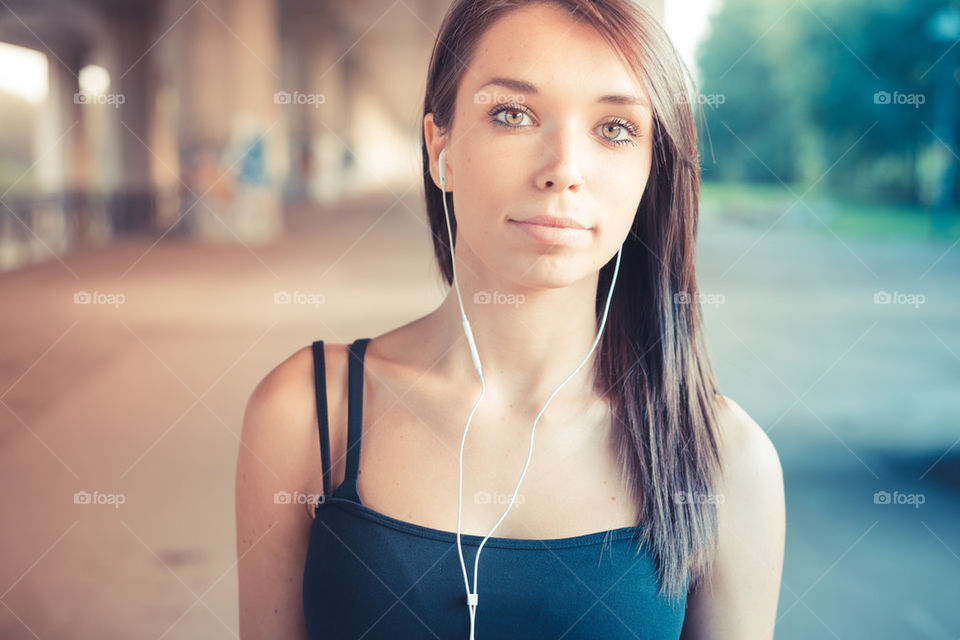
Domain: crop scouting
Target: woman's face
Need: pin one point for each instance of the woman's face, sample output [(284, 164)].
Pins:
[(552, 147)]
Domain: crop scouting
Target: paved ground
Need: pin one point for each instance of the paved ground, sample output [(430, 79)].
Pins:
[(858, 397)]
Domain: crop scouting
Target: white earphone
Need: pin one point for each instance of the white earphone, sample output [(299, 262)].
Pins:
[(443, 179), (473, 598)]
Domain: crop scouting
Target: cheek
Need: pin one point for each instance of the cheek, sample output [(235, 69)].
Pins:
[(488, 188), (491, 169), (620, 195)]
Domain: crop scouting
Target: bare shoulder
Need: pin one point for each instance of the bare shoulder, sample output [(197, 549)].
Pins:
[(752, 477), (746, 449), (281, 398), (740, 598), (280, 419), (278, 458)]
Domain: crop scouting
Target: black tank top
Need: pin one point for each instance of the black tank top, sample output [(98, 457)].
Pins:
[(368, 575)]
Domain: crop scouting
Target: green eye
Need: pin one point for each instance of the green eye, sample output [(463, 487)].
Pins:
[(517, 112), (509, 110)]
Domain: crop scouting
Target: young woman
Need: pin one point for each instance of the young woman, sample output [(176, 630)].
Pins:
[(559, 145)]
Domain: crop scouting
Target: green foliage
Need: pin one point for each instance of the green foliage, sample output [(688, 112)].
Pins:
[(800, 82)]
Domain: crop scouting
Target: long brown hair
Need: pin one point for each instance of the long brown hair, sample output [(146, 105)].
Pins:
[(652, 362)]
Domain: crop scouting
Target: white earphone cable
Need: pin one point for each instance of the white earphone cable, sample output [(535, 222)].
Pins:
[(473, 598)]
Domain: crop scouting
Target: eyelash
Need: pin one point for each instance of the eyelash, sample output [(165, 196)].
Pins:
[(513, 106)]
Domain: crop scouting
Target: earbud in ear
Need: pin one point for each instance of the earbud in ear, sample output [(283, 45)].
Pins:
[(443, 178)]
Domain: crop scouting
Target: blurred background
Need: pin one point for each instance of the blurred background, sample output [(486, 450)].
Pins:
[(191, 190)]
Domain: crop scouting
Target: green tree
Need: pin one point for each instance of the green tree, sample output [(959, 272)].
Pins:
[(820, 89)]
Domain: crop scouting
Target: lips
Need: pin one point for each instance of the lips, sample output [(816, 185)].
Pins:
[(553, 230), (553, 221)]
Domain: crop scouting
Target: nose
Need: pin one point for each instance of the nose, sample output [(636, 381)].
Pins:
[(561, 165)]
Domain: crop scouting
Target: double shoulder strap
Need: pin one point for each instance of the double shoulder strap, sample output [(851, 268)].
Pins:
[(348, 488)]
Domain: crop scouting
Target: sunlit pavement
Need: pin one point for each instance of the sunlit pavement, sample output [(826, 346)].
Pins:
[(860, 397), (140, 394)]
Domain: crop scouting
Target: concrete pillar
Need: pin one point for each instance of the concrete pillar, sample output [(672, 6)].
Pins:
[(336, 139), (60, 172), (315, 97), (224, 65), (387, 84), (302, 36), (129, 180)]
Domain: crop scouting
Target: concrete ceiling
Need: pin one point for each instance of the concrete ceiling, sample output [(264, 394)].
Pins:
[(62, 25)]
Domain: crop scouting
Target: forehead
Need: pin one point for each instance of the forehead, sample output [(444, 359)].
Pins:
[(553, 50)]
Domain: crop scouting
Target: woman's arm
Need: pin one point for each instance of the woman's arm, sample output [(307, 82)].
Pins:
[(739, 602), (272, 537)]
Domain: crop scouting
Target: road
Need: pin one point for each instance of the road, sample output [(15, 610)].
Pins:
[(113, 398)]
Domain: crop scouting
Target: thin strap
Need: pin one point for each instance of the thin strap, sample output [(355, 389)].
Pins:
[(348, 488), (320, 383)]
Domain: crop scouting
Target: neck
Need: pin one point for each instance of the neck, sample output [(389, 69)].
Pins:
[(529, 340)]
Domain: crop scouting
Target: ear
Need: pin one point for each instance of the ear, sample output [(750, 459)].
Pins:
[(435, 142)]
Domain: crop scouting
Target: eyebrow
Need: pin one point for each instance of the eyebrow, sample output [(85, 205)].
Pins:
[(523, 86)]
